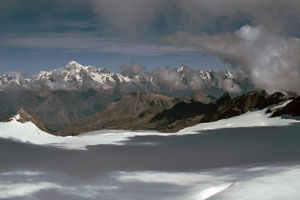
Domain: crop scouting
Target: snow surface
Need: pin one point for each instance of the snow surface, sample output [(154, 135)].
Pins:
[(273, 182), (264, 183), (29, 133), (257, 118)]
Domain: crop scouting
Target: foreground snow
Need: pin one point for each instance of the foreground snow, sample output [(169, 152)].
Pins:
[(264, 183), (29, 133), (249, 119)]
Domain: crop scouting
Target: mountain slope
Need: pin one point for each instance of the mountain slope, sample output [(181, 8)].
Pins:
[(132, 112), (185, 115)]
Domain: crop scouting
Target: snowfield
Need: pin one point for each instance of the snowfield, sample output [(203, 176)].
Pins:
[(264, 183), (29, 133)]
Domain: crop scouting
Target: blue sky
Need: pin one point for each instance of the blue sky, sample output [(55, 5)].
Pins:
[(40, 35)]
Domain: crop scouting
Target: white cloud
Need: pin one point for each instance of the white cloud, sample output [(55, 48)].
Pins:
[(271, 61)]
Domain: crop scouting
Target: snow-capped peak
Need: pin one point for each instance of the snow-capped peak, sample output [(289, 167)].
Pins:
[(76, 66), (76, 76), (180, 69), (229, 74), (73, 63), (11, 77)]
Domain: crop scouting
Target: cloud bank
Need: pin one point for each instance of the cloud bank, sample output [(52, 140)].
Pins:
[(271, 61)]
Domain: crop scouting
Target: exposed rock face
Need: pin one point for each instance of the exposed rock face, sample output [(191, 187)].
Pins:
[(132, 112), (292, 109), (182, 111)]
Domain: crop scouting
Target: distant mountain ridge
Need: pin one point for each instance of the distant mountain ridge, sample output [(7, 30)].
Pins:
[(75, 76)]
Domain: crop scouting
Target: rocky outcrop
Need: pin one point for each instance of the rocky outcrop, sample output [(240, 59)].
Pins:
[(22, 116), (292, 109)]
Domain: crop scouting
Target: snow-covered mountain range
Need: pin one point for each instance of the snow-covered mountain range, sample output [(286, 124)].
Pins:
[(75, 76)]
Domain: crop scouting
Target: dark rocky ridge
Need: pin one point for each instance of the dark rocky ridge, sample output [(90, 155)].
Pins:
[(181, 111), (292, 109), (224, 108), (243, 104)]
